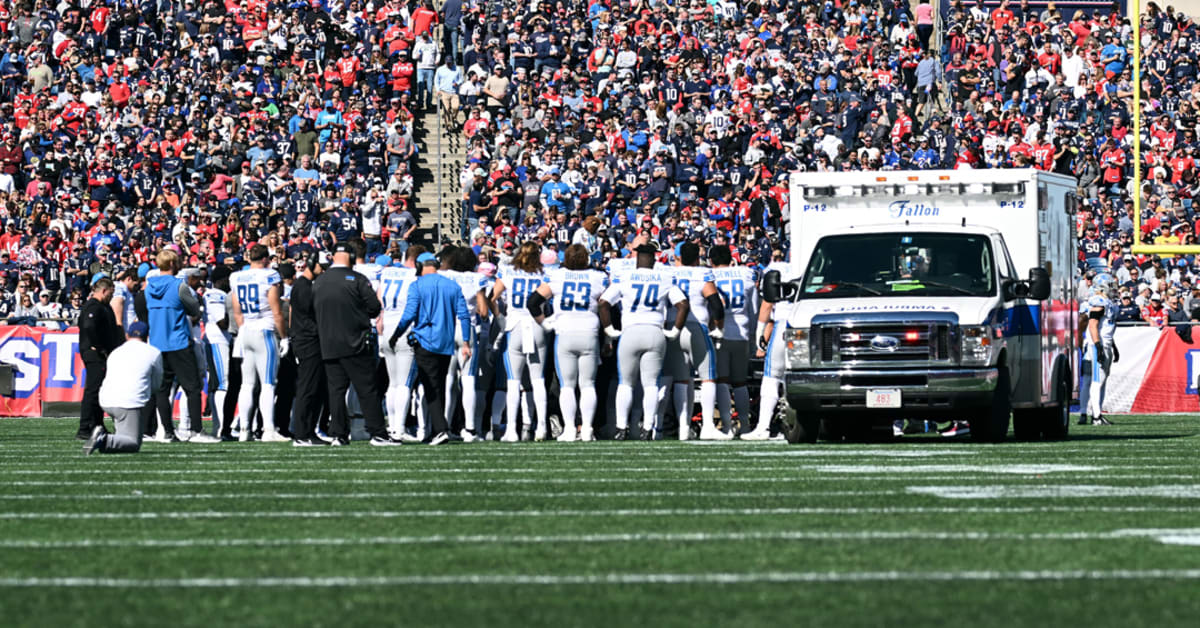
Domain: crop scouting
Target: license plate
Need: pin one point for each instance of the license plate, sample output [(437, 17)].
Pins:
[(883, 398)]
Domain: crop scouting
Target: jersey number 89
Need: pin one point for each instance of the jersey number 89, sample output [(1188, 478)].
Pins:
[(248, 298)]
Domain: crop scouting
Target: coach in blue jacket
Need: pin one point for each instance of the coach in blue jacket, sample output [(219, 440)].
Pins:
[(434, 302), (172, 307)]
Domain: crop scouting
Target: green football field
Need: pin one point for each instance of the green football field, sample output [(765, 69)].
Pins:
[(1101, 530)]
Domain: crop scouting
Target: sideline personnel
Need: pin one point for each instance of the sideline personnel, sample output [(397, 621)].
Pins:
[(140, 370), (99, 334), (434, 302), (311, 387), (345, 303), (173, 307)]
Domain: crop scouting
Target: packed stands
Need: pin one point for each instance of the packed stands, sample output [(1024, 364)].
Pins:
[(212, 124)]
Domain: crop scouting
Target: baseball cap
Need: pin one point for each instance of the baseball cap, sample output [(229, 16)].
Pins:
[(648, 247), (98, 277), (343, 247), (138, 330), (383, 260), (427, 258)]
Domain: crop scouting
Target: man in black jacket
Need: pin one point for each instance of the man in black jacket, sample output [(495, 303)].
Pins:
[(311, 392), (99, 334), (345, 303)]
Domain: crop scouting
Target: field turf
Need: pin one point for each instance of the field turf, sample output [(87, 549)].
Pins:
[(1101, 530)]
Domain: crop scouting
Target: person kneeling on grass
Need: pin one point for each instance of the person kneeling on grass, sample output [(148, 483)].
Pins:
[(135, 372)]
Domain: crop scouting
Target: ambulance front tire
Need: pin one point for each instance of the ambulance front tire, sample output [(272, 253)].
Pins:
[(990, 425), (801, 427)]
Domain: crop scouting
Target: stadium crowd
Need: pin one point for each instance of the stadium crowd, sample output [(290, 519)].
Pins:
[(207, 126)]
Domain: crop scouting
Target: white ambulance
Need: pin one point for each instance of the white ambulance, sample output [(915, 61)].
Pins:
[(938, 295)]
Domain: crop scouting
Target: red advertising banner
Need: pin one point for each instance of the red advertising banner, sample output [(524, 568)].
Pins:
[(1169, 383), (47, 368)]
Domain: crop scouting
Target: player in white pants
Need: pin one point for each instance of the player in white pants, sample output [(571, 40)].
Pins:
[(258, 312), (394, 282), (694, 356), (1098, 346), (643, 295), (524, 339), (216, 332), (737, 285), (772, 321), (459, 265), (574, 291)]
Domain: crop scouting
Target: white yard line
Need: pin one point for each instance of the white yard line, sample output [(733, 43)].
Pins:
[(608, 579), (860, 453), (235, 495), (378, 481), (554, 539), (618, 512), (1172, 491), (1002, 469), (667, 467)]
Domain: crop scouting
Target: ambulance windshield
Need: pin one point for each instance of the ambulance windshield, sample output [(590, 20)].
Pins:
[(900, 264)]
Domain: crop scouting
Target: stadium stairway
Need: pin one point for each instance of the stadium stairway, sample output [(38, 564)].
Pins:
[(428, 171)]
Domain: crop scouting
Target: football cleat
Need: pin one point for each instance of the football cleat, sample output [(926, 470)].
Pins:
[(95, 441), (957, 428)]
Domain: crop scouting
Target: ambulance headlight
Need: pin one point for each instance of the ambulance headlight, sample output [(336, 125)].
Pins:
[(795, 341), (978, 342)]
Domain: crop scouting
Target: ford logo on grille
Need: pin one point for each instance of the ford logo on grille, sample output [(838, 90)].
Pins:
[(884, 343)]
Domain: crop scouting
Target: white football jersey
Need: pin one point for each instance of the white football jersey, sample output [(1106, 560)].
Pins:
[(620, 265), (518, 287), (371, 272), (250, 288), (119, 290), (394, 283), (216, 306), (1108, 324), (739, 290), (576, 296), (643, 294), (471, 283), (690, 280)]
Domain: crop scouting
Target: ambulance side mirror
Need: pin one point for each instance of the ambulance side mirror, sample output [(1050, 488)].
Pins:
[(772, 287), (1039, 284)]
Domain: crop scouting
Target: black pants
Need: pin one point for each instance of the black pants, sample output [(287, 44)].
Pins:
[(232, 390), (311, 394), (431, 375), (285, 393), (359, 370), (90, 413), (180, 365)]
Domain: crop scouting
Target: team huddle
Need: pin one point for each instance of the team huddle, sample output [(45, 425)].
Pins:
[(672, 330)]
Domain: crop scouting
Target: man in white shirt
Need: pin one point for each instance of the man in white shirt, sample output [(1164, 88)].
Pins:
[(138, 372), (1072, 67), (425, 53)]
